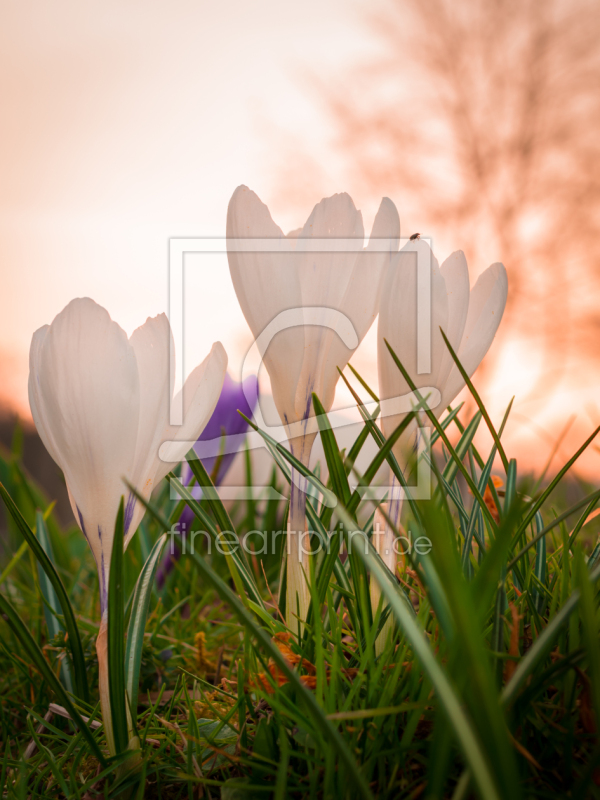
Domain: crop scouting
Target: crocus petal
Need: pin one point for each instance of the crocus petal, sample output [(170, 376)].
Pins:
[(200, 395), (486, 307), (362, 296), (398, 324), (324, 279), (336, 293), (38, 408), (226, 420), (153, 346), (86, 395), (456, 277), (267, 284)]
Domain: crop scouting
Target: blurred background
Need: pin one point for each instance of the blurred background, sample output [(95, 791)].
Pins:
[(126, 123)]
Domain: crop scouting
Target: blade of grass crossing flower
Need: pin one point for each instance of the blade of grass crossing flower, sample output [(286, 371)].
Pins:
[(209, 493), (478, 400), (463, 729), (328, 496), (238, 568), (450, 417), (324, 726), (314, 519), (362, 382), (74, 639), (37, 658), (337, 473), (358, 444), (486, 512), (51, 602), (342, 490), (116, 637), (137, 622)]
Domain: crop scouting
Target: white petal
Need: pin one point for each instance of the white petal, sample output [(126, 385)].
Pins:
[(324, 280), (267, 284), (361, 299), (486, 307), (200, 395), (456, 276), (398, 323), (153, 346), (38, 409), (87, 394)]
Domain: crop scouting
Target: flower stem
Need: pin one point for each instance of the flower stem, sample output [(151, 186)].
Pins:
[(384, 540), (298, 595), (102, 652), (298, 542)]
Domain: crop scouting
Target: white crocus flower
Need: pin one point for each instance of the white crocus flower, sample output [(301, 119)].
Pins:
[(468, 317), (314, 308), (100, 402)]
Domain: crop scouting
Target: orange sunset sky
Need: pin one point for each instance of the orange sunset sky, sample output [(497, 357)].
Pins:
[(127, 122)]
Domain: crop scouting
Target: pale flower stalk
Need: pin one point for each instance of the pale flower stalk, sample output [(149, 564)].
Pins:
[(468, 317), (100, 402), (315, 308)]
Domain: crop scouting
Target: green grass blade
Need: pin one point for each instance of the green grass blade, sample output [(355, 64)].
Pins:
[(552, 485), (431, 416), (232, 550), (209, 493), (137, 622), (590, 501), (589, 623), (478, 400), (539, 569), (79, 669), (51, 601), (328, 496), (542, 646), (337, 472), (116, 637), (36, 656), (462, 447), (461, 725), (13, 562), (322, 724)]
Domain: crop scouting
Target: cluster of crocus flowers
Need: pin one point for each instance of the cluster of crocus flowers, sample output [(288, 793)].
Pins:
[(101, 403), (304, 353), (319, 305)]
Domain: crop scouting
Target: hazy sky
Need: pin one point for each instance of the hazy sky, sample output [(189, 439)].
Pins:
[(126, 122)]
